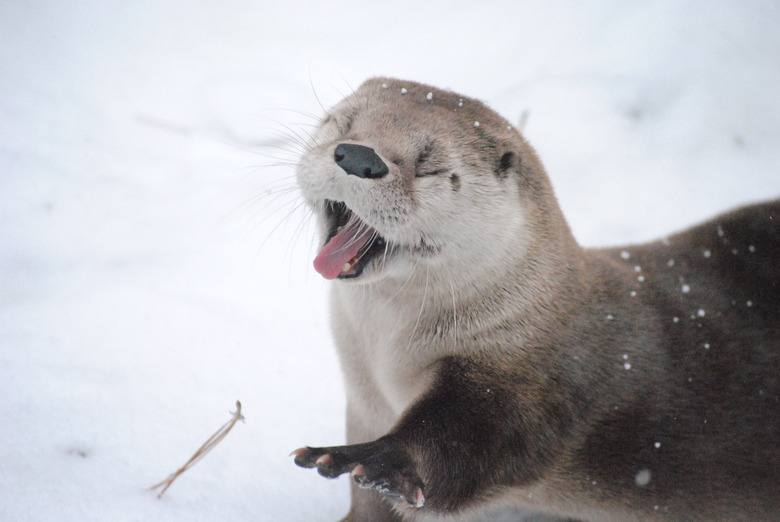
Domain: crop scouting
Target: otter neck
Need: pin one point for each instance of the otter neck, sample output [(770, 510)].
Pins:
[(544, 278)]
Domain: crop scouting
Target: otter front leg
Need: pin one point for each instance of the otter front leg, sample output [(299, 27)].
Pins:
[(473, 430), (384, 465)]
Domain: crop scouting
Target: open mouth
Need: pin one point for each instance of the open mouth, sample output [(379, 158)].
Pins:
[(350, 245)]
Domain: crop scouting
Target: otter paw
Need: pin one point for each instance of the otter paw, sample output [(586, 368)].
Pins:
[(330, 462), (386, 469)]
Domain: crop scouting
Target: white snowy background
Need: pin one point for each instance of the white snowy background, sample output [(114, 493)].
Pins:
[(155, 264)]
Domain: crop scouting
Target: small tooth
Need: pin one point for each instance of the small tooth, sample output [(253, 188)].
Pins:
[(347, 267)]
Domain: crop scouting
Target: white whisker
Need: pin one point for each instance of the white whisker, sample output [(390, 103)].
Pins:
[(454, 314), (422, 305)]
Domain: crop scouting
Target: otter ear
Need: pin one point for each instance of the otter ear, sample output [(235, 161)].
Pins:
[(505, 164)]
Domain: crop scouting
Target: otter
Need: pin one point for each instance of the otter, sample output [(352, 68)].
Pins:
[(494, 367)]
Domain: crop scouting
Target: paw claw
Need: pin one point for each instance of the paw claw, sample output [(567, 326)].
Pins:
[(304, 457), (323, 460), (298, 452), (419, 499), (358, 474)]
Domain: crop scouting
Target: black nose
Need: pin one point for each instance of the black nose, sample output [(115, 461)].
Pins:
[(360, 161)]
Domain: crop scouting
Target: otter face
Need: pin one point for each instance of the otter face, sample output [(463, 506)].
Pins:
[(402, 176)]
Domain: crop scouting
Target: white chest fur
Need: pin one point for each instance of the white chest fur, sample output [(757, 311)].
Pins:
[(386, 362)]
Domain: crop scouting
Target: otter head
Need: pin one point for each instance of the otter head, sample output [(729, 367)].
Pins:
[(408, 180)]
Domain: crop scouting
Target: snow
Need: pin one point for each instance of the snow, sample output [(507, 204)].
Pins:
[(155, 263), (643, 477)]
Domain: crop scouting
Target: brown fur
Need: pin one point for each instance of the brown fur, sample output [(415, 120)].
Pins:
[(638, 383)]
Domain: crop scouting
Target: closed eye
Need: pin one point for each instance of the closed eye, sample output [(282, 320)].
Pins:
[(425, 165), (344, 125), (422, 174)]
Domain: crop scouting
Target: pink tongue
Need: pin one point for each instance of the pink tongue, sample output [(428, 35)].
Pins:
[(341, 249)]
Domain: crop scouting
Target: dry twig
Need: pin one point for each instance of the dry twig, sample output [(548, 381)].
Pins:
[(207, 446)]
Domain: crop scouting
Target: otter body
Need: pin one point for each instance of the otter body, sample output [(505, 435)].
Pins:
[(492, 365)]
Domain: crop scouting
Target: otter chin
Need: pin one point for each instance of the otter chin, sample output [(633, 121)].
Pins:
[(497, 370)]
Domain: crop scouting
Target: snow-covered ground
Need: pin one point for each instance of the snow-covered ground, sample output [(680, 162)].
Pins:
[(155, 264)]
